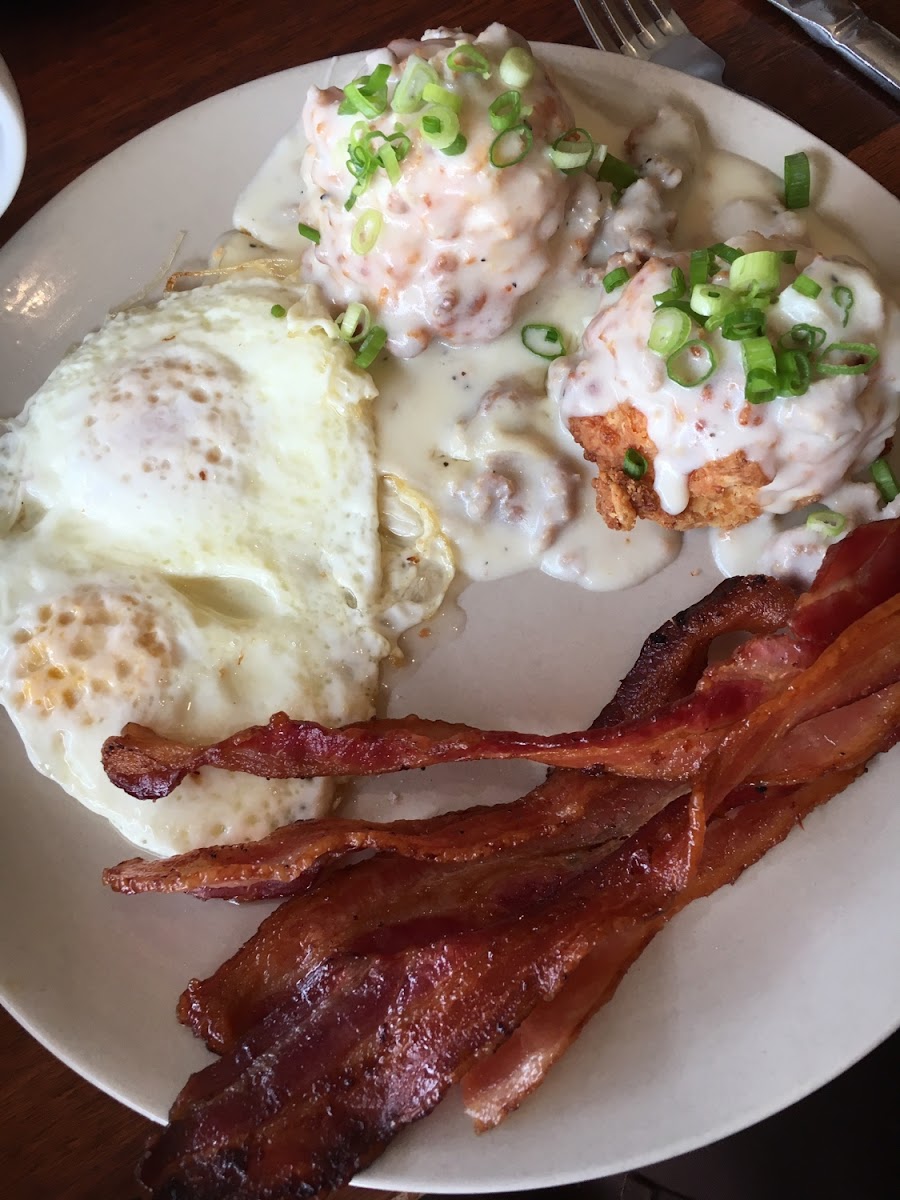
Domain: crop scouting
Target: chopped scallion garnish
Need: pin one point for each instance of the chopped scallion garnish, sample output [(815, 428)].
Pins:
[(694, 356), (366, 231), (615, 279), (278, 310), (372, 345), (761, 384), (516, 67), (807, 287), (826, 522), (505, 110), (698, 271), (512, 145), (844, 299), (407, 96), (707, 300), (727, 253), (803, 337), (794, 372), (368, 94), (545, 341), (796, 180), (885, 480), (675, 290), (620, 174), (573, 150), (469, 60), (433, 93), (439, 126), (757, 272), (848, 353), (307, 231), (634, 464), (457, 146), (669, 331), (741, 323), (354, 324)]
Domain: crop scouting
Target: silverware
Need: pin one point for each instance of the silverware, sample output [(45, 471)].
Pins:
[(641, 29), (844, 27)]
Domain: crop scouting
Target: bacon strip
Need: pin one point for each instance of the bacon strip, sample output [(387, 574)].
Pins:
[(372, 1043), (498, 1084), (671, 660), (862, 660), (149, 766)]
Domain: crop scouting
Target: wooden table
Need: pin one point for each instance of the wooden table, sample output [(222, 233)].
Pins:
[(92, 75)]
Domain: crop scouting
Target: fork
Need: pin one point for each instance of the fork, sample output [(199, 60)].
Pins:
[(641, 29)]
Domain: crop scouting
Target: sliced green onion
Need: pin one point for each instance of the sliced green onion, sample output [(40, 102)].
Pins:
[(757, 271), (707, 300), (516, 67), (545, 341), (439, 126), (788, 256), (457, 146), (761, 368), (865, 350), (307, 231), (573, 150), (676, 289), (387, 156), (757, 354), (698, 271), (806, 287), (278, 310), (760, 386), (615, 279), (885, 480), (372, 345), (505, 110), (796, 180), (433, 93), (365, 231), (669, 331), (368, 94), (844, 299), (826, 522), (727, 254), (407, 96), (794, 373), (468, 60), (634, 464), (511, 146), (677, 364), (354, 324), (803, 337), (742, 323), (620, 174)]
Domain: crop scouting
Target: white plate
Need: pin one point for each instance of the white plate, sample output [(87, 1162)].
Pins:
[(751, 999)]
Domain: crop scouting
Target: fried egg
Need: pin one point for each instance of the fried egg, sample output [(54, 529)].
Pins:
[(192, 542)]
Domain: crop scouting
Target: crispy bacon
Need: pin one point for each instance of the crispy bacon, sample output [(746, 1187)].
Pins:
[(149, 766), (498, 1084), (372, 1042), (668, 666), (861, 660), (380, 896)]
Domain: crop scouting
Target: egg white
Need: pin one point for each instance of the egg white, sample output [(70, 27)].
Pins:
[(193, 543)]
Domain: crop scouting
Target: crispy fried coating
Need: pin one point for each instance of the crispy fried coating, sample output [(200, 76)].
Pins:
[(724, 492)]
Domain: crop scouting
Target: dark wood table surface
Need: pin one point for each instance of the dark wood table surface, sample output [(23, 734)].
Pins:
[(92, 75)]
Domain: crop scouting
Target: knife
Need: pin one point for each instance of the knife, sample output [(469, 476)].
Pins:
[(844, 27)]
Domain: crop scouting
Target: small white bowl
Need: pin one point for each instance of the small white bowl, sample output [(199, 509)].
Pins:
[(12, 138)]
